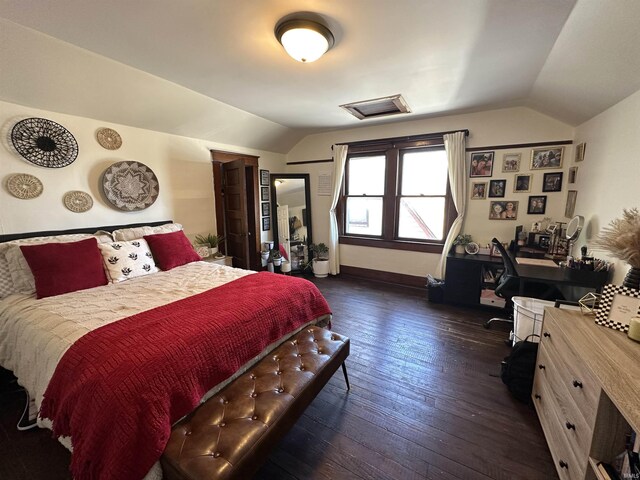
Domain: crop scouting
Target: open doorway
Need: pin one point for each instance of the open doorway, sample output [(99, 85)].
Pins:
[(236, 192)]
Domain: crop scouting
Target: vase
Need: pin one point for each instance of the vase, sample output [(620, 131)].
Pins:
[(459, 249), (632, 279)]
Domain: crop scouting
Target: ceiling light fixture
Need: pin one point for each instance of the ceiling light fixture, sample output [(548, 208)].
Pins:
[(304, 40)]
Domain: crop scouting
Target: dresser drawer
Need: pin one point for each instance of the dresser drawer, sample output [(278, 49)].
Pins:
[(568, 465), (571, 421), (580, 382)]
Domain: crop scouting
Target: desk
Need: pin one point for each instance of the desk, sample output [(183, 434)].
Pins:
[(464, 280)]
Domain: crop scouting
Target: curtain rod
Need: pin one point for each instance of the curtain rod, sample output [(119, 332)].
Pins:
[(409, 138)]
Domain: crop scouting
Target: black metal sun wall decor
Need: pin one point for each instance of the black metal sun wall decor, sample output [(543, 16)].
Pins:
[(44, 143)]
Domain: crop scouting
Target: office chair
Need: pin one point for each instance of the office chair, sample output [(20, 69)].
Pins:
[(509, 286)]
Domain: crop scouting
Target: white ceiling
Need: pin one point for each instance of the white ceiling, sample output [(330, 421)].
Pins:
[(214, 70)]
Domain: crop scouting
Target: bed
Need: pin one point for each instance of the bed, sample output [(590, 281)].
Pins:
[(37, 335)]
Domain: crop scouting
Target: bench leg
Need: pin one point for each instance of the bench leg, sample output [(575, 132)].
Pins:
[(346, 377)]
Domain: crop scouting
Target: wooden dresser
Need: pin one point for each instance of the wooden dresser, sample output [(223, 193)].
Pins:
[(586, 391)]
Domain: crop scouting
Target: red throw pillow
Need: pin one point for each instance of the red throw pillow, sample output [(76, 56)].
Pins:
[(171, 250), (65, 267)]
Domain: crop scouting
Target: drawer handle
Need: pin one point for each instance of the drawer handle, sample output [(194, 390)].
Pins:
[(577, 384), (541, 367), (563, 464), (537, 397), (570, 426), (546, 335)]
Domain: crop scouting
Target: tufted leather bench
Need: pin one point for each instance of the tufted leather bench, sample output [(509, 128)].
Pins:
[(231, 434)]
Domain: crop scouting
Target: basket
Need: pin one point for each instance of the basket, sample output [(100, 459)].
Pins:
[(527, 317)]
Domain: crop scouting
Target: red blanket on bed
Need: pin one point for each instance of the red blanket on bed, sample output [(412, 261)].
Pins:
[(119, 388)]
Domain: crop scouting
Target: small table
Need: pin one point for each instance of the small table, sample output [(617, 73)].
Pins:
[(228, 261)]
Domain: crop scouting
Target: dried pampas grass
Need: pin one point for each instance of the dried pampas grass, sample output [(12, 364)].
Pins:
[(621, 238)]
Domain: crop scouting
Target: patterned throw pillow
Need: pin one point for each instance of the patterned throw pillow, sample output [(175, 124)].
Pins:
[(125, 260), (128, 234)]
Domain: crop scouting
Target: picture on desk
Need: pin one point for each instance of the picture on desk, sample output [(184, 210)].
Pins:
[(503, 210), (481, 164), (478, 190), (537, 205), (552, 182), (497, 188), (522, 183), (546, 158)]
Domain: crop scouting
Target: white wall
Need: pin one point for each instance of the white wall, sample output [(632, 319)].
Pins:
[(495, 127), (182, 165), (609, 177)]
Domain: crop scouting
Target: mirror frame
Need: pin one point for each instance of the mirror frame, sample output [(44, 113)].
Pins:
[(274, 203)]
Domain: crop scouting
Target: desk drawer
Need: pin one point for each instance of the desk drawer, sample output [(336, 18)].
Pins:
[(574, 374), (572, 423), (568, 466)]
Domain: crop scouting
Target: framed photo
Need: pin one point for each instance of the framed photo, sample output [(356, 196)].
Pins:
[(546, 158), (506, 210), (264, 177), (580, 152), (497, 188), (481, 164), (573, 173), (522, 183), (537, 205), (544, 241), (494, 252), (618, 305), (266, 223), (266, 209), (552, 182), (571, 203), (264, 194), (511, 162), (478, 190)]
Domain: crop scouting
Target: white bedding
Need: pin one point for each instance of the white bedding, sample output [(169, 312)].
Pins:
[(34, 334)]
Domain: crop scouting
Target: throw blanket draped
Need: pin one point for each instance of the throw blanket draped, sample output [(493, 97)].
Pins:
[(119, 388)]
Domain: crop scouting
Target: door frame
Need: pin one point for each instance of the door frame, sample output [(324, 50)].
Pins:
[(218, 158)]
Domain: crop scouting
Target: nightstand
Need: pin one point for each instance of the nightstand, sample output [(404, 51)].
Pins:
[(228, 261)]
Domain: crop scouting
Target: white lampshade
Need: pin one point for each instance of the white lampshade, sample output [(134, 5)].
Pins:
[(304, 40)]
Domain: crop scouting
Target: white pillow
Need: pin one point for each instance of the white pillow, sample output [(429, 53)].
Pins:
[(125, 260), (21, 277), (128, 234)]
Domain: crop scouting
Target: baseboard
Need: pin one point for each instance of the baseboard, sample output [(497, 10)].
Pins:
[(386, 277)]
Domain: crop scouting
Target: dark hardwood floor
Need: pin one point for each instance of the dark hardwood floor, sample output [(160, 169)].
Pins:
[(425, 402)]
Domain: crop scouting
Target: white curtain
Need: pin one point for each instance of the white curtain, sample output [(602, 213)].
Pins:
[(339, 161), (454, 145)]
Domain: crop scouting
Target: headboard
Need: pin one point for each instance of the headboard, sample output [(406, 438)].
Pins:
[(109, 228)]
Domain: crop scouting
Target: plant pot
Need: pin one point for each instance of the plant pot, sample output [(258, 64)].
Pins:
[(265, 258), (213, 251), (285, 267), (459, 249), (277, 262), (320, 268)]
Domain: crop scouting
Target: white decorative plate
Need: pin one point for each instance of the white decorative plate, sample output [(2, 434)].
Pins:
[(109, 138), (130, 186), (77, 201), (472, 248), (24, 186)]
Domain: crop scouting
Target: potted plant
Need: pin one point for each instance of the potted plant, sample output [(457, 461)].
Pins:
[(276, 257), (460, 242), (212, 240), (321, 260)]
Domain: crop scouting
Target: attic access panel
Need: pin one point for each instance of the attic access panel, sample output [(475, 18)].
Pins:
[(377, 107)]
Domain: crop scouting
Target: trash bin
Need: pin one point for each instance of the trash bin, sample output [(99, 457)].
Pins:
[(435, 289), (527, 317)]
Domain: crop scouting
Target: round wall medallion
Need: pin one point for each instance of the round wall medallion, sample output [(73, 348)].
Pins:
[(109, 138), (44, 143), (77, 201), (24, 186), (130, 186)]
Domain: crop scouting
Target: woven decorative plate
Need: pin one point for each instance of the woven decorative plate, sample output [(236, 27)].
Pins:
[(77, 201), (130, 186), (24, 186), (44, 143), (109, 138)]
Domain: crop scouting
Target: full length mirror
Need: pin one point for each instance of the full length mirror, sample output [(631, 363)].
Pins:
[(291, 207)]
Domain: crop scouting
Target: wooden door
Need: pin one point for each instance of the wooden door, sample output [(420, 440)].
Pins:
[(236, 218)]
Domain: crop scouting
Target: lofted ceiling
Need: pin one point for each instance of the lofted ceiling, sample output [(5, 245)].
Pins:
[(214, 70)]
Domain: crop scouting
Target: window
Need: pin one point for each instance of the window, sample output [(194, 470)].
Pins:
[(396, 195)]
